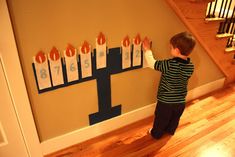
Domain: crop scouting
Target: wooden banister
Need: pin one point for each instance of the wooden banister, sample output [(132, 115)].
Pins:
[(193, 16)]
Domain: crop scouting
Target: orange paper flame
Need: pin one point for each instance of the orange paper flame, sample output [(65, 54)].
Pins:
[(40, 57), (70, 50), (54, 54), (85, 47), (137, 39), (126, 41), (101, 39)]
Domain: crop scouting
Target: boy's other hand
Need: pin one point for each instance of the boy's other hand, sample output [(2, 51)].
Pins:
[(146, 45)]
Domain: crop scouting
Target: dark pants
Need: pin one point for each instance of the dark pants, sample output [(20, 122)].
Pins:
[(166, 119)]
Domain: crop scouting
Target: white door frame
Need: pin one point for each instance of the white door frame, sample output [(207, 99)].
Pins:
[(15, 81)]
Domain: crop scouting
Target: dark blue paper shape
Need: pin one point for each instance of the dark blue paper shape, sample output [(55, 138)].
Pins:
[(102, 76)]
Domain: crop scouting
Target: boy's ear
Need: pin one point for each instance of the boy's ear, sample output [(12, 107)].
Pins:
[(178, 51)]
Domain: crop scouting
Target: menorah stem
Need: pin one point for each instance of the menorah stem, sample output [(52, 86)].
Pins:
[(104, 90), (103, 79)]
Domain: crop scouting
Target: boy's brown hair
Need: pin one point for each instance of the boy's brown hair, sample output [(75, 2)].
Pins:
[(184, 41)]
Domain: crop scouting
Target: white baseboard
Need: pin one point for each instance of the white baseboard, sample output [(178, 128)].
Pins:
[(204, 89), (89, 132), (77, 136)]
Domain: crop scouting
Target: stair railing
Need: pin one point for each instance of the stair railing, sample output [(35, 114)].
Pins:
[(224, 10)]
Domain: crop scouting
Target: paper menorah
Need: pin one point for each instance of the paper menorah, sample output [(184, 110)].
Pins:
[(53, 71)]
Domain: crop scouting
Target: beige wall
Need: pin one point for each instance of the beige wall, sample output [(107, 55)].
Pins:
[(41, 24)]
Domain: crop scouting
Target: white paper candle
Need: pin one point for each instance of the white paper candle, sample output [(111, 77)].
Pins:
[(101, 54), (71, 63), (56, 67), (137, 51), (85, 56), (126, 53), (145, 64), (42, 70)]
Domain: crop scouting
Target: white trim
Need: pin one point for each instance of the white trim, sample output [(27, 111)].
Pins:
[(12, 69), (80, 135), (89, 132), (204, 89), (12, 101)]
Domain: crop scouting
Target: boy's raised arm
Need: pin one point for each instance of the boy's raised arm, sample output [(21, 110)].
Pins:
[(148, 53)]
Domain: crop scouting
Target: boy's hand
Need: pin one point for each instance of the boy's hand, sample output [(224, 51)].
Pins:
[(146, 45)]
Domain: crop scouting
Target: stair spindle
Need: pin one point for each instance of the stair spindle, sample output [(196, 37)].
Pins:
[(231, 22), (214, 8), (224, 10), (226, 24), (209, 11), (221, 8)]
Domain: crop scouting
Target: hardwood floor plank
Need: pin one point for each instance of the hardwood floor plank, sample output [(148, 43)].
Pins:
[(195, 135), (206, 141), (207, 127), (222, 148)]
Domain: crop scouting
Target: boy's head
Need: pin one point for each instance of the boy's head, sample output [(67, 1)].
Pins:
[(184, 42)]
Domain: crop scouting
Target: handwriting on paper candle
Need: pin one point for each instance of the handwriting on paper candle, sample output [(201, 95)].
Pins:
[(126, 52), (71, 63), (42, 70), (85, 58), (136, 51), (101, 48), (56, 67)]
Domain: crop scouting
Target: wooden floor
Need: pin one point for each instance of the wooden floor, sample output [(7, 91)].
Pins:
[(207, 129)]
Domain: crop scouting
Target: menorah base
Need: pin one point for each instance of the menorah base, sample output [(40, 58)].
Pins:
[(104, 115)]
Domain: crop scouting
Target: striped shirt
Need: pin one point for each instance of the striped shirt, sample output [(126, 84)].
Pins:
[(174, 79)]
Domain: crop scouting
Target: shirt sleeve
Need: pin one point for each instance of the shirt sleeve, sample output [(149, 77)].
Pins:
[(149, 59), (159, 65), (162, 65), (189, 70)]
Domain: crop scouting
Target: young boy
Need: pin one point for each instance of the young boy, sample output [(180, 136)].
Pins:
[(172, 88)]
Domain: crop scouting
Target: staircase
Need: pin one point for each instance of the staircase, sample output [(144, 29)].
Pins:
[(192, 13)]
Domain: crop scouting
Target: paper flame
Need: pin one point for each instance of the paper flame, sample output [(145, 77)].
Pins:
[(40, 57), (85, 47), (70, 50), (137, 39), (101, 39), (54, 54), (126, 41)]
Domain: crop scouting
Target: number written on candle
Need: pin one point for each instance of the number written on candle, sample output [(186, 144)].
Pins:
[(101, 51), (126, 51), (56, 67), (72, 67), (71, 63), (85, 56), (127, 56), (43, 73), (42, 70), (137, 50)]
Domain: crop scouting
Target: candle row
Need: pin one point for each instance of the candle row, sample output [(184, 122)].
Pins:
[(49, 68)]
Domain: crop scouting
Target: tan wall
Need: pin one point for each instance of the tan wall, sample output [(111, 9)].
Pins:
[(41, 24)]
